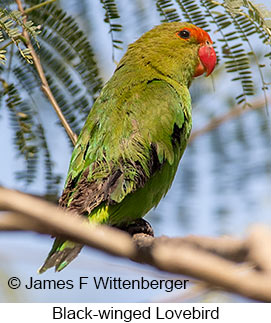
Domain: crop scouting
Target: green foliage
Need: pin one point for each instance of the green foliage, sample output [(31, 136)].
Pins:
[(257, 14), (111, 13), (167, 11), (9, 22), (193, 13), (68, 59), (2, 51), (52, 180), (22, 123)]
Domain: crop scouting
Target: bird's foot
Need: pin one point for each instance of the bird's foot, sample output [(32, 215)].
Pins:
[(138, 226)]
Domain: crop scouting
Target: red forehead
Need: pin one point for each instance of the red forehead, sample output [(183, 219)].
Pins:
[(199, 34)]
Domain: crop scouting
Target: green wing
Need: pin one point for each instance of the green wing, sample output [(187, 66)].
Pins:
[(129, 136)]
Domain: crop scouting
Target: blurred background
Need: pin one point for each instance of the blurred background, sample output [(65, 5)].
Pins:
[(223, 184)]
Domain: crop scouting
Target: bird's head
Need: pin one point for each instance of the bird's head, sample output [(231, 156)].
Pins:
[(179, 50), (206, 53)]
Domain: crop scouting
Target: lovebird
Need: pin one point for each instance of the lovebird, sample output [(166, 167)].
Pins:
[(129, 149)]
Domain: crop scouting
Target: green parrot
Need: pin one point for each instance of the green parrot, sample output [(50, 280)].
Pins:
[(129, 149)]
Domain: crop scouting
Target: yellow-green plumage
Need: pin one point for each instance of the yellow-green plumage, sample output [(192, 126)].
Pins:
[(128, 151)]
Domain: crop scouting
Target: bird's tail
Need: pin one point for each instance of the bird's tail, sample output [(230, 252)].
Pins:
[(61, 254)]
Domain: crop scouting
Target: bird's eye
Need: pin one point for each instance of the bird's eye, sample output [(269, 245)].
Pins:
[(185, 34)]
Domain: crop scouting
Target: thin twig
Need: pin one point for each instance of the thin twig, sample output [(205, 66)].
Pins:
[(45, 86), (12, 41), (33, 209), (231, 114), (38, 6)]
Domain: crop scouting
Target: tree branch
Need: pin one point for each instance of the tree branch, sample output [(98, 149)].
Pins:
[(44, 84), (48, 215), (208, 259), (231, 114), (259, 246)]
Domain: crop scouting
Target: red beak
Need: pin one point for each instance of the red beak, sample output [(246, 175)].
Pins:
[(207, 62)]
